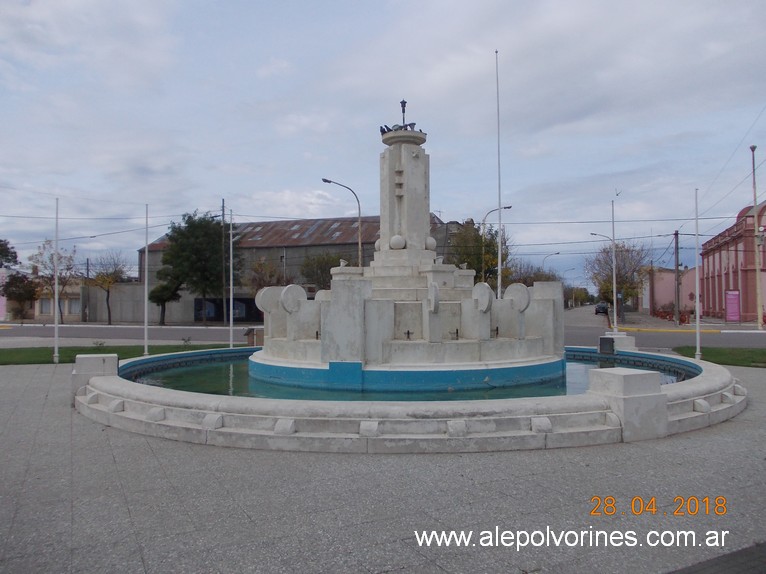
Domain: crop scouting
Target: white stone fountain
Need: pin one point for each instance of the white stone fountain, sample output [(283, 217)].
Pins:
[(409, 321)]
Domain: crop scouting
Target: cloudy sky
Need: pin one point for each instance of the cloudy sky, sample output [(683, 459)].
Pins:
[(110, 105)]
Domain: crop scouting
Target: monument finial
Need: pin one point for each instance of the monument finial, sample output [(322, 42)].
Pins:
[(404, 105)]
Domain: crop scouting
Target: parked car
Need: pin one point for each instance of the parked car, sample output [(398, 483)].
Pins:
[(602, 307)]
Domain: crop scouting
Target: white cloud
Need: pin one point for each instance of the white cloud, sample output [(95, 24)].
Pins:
[(120, 44)]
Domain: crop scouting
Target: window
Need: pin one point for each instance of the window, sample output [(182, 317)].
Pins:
[(74, 306), (45, 306)]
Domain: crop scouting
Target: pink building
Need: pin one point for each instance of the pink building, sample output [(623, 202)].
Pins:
[(728, 263), (659, 295)]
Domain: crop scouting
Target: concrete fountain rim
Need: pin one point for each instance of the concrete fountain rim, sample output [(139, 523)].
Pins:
[(393, 426)]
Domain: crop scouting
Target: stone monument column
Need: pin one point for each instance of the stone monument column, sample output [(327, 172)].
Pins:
[(405, 217)]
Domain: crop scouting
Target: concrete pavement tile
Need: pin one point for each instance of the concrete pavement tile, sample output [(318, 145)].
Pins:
[(158, 512), (58, 561), (189, 556), (389, 556), (95, 478), (137, 476), (422, 568), (103, 519), (122, 556), (44, 527)]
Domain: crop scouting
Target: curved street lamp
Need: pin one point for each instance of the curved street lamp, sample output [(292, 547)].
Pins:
[(564, 280), (499, 237), (359, 219), (549, 255), (614, 278)]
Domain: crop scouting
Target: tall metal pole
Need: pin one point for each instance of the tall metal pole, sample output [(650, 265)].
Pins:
[(756, 244), (56, 289), (499, 193), (677, 278), (614, 273), (697, 353), (231, 278), (360, 263), (223, 258), (146, 282)]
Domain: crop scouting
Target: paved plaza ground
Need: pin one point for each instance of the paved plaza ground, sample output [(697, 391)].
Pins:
[(76, 496)]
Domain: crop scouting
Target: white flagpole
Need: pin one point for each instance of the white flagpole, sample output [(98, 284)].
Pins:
[(146, 284), (499, 194), (697, 353), (231, 279), (56, 289)]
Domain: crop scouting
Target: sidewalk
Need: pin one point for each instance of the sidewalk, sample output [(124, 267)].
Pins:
[(643, 321), (76, 496)]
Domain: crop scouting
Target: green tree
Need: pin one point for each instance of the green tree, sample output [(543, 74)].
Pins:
[(166, 292), (631, 258), (478, 251), (44, 263), (197, 256), (110, 268), (316, 269), (20, 290), (7, 253)]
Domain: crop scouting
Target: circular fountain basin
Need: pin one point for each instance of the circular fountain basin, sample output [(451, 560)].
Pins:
[(709, 396)]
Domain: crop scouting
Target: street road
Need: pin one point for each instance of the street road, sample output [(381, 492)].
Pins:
[(582, 328)]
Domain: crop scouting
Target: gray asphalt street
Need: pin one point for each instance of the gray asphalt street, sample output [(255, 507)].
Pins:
[(582, 328)]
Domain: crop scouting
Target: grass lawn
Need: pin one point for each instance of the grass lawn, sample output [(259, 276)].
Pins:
[(724, 356), (44, 355)]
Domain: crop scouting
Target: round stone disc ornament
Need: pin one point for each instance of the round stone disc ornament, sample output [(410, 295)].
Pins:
[(291, 297), (483, 295), (519, 294), (267, 299)]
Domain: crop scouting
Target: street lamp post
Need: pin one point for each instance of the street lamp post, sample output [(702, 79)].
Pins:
[(549, 255), (359, 219), (614, 276), (564, 278), (756, 237), (499, 239)]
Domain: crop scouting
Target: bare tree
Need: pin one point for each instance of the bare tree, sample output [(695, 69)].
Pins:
[(265, 273), (44, 262), (631, 263), (527, 273), (110, 268)]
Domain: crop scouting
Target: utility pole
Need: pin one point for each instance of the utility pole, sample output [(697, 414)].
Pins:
[(223, 258), (678, 282), (86, 307), (757, 245)]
